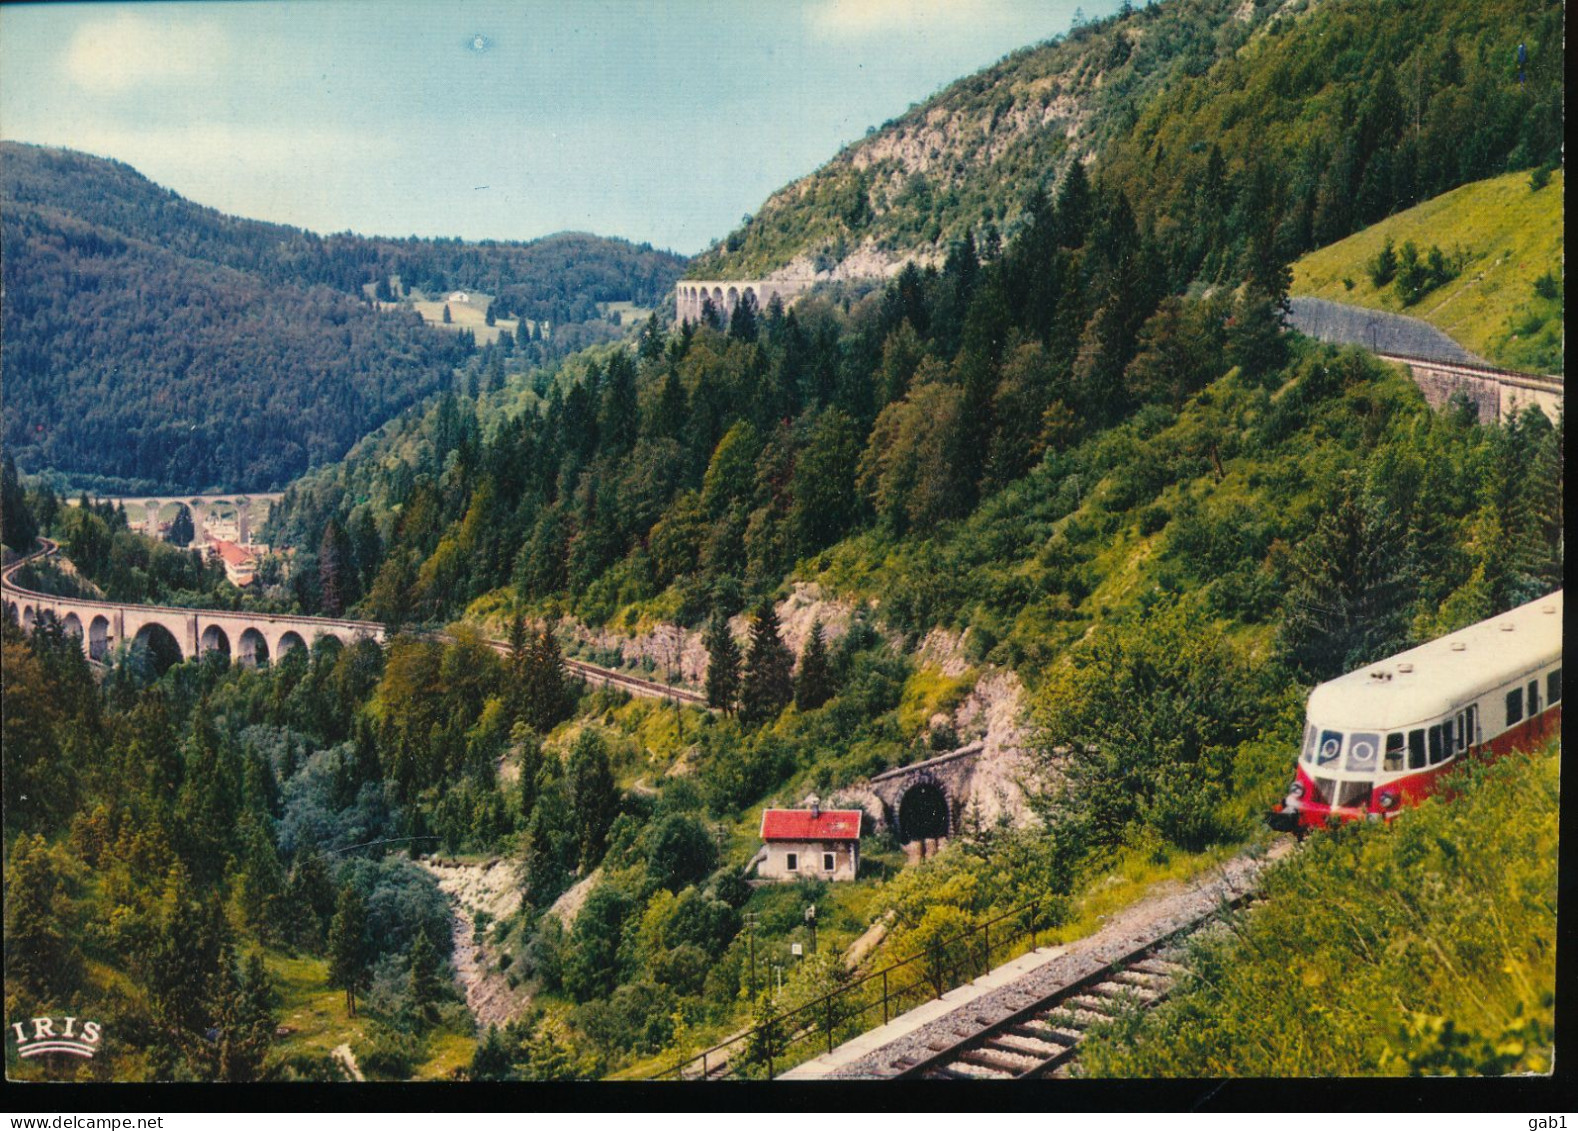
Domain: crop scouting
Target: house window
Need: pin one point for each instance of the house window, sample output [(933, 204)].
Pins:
[(792, 861), (827, 861)]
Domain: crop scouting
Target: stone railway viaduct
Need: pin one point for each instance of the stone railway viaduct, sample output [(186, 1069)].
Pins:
[(1496, 394), (726, 294), (247, 637)]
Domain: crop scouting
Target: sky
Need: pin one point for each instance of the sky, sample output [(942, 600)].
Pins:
[(661, 122)]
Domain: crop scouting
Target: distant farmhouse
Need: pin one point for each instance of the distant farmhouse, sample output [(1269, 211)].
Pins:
[(812, 843)]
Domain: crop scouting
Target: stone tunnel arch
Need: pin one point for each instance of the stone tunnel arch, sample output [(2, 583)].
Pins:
[(289, 642), (214, 640), (253, 649), (99, 638), (72, 625), (923, 812), (733, 299), (164, 650)]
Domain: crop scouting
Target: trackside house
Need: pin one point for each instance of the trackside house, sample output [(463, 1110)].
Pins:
[(814, 843)]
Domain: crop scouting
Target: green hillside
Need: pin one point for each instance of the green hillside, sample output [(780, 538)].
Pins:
[(1298, 122), (1501, 237)]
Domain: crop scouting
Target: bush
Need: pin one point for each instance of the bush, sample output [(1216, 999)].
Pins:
[(386, 1053)]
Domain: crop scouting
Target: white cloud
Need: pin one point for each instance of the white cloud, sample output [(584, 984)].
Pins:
[(862, 18), (156, 47)]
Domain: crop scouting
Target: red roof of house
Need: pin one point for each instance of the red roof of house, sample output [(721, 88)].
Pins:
[(800, 824), (232, 553)]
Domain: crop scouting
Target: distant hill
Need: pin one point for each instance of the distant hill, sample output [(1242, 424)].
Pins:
[(152, 343), (1307, 119), (1504, 242)]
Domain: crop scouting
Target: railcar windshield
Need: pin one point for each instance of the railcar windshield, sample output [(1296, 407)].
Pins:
[(1330, 747), (1363, 753)]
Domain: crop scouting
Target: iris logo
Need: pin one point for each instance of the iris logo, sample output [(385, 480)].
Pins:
[(49, 1035)]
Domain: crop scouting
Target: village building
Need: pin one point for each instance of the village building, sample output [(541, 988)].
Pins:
[(240, 565), (812, 843)]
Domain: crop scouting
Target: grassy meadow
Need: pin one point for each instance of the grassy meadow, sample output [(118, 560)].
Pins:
[(1509, 236)]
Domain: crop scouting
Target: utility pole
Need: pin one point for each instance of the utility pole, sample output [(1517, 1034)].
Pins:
[(750, 926), (810, 917)]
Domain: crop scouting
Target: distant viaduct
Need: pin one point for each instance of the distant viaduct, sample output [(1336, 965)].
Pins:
[(726, 294), (248, 637)]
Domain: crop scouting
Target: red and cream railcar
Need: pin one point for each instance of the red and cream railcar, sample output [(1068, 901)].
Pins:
[(1382, 737)]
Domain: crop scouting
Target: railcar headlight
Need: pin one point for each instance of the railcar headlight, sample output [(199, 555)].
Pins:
[(1296, 790), (1388, 799)]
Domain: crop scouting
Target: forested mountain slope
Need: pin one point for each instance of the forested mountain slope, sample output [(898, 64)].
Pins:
[(150, 343), (1216, 118)]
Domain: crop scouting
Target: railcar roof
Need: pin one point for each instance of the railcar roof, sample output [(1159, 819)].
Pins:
[(1430, 681)]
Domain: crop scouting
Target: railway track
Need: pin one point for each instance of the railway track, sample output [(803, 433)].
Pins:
[(650, 688), (1040, 1038)]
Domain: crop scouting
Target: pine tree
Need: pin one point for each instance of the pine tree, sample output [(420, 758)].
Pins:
[(619, 419), (16, 520), (515, 669), (35, 945), (743, 321), (243, 1009), (491, 1060), (448, 318), (349, 955), (336, 572), (813, 684), (767, 686), (546, 694), (423, 985), (723, 665), (651, 347), (181, 531), (594, 799)]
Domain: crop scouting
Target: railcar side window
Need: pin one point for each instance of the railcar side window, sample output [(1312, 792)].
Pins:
[(1309, 743), (1553, 687), (1416, 750), (1394, 751), (1437, 750), (1470, 733), (1362, 752), (1534, 698), (1514, 706), (1330, 747)]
